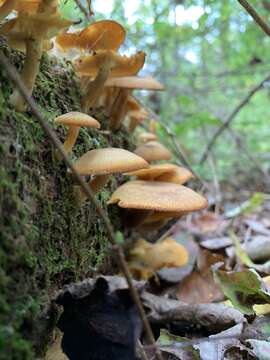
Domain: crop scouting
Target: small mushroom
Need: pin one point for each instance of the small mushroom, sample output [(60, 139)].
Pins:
[(135, 82), (153, 151), (104, 162), (33, 29), (100, 66), (179, 175), (146, 137), (157, 196), (152, 172), (75, 120), (136, 118), (146, 258), (101, 35)]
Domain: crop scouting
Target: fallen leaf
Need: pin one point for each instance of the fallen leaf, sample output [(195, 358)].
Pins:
[(216, 243), (168, 344), (218, 344), (145, 259), (208, 222), (257, 227), (200, 287), (243, 288), (207, 317)]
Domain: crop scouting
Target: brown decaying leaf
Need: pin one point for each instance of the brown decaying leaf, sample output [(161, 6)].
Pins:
[(211, 317), (200, 287)]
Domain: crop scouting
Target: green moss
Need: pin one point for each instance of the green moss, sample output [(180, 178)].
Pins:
[(46, 239)]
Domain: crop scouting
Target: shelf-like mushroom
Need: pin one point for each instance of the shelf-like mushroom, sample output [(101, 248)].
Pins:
[(157, 196), (146, 137), (104, 162), (136, 118), (135, 82), (153, 151), (179, 175), (101, 35), (74, 121), (153, 171)]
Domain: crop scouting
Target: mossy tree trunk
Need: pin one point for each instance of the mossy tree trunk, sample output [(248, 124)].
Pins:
[(47, 239)]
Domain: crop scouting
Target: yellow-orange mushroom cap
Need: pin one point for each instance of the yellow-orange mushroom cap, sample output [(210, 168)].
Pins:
[(101, 35), (135, 82), (153, 171), (153, 151), (108, 161), (157, 196), (120, 65), (146, 137), (146, 258), (179, 175), (75, 120)]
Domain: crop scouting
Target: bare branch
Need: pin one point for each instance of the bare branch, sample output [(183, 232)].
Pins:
[(14, 76), (231, 117), (256, 17), (83, 10)]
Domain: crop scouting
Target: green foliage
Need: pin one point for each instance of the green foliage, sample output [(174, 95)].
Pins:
[(208, 54), (243, 288)]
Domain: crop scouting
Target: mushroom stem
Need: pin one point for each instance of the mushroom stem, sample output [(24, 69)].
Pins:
[(29, 72), (95, 87), (95, 185), (136, 217), (71, 138), (119, 110), (6, 8), (133, 122)]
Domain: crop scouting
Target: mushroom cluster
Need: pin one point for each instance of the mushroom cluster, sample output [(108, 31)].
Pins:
[(155, 193)]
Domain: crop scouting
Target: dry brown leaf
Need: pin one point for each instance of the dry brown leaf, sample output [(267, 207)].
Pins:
[(147, 258), (200, 287)]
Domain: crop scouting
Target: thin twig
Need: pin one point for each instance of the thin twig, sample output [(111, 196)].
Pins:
[(231, 117), (83, 10), (256, 17), (14, 76), (180, 153)]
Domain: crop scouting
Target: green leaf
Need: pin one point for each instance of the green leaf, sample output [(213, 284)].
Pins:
[(243, 288), (119, 237)]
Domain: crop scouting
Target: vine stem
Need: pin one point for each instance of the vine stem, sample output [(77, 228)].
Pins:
[(14, 76)]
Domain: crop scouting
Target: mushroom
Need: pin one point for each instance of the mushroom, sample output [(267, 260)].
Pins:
[(75, 120), (179, 175), (146, 137), (135, 82), (157, 196), (101, 35), (135, 118), (146, 258), (152, 151), (100, 66), (33, 29), (104, 162), (152, 172)]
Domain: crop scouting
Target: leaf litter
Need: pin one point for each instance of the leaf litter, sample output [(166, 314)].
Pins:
[(211, 305)]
